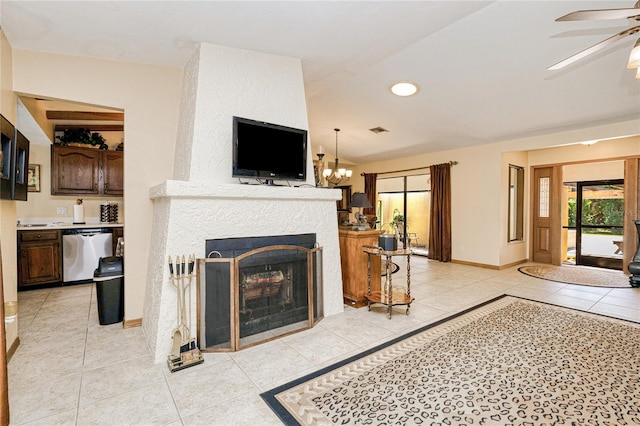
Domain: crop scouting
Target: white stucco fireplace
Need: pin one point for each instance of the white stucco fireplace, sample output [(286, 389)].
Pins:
[(204, 202)]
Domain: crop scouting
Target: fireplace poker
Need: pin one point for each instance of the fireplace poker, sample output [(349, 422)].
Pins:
[(185, 352), (176, 336)]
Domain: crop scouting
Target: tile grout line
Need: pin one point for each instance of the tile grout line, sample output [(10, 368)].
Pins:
[(173, 398), (84, 354)]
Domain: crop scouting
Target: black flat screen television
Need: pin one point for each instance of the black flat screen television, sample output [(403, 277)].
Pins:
[(268, 151)]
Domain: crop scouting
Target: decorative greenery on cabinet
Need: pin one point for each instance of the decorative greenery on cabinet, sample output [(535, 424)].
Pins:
[(82, 136)]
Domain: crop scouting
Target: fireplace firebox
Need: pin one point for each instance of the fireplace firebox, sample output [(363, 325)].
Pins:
[(251, 290)]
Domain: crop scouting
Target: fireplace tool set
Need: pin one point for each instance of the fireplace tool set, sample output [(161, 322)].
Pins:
[(184, 352)]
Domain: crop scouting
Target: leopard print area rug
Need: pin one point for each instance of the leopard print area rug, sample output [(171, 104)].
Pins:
[(508, 361), (581, 275)]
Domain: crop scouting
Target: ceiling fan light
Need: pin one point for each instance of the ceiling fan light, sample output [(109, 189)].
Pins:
[(404, 88), (634, 56)]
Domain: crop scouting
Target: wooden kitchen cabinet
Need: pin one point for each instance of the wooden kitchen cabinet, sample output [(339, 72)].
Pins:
[(113, 172), (86, 171), (39, 257)]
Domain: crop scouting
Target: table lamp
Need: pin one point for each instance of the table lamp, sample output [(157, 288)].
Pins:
[(360, 200)]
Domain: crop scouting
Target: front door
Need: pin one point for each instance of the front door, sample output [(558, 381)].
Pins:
[(546, 214)]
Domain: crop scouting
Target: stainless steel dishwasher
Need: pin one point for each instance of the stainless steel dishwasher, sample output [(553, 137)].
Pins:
[(81, 250)]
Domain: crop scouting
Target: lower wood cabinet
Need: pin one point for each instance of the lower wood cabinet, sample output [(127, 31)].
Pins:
[(353, 261), (39, 257)]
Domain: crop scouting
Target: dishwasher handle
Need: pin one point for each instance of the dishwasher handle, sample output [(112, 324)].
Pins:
[(86, 231)]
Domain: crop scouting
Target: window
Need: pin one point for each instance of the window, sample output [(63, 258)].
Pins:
[(516, 203)]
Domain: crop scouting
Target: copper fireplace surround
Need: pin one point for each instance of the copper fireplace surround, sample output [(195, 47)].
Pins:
[(257, 296)]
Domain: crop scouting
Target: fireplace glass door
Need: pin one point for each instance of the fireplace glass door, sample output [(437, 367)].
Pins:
[(258, 296)]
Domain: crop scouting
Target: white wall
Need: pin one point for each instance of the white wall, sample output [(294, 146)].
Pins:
[(479, 183), (150, 98), (224, 82), (610, 149), (514, 251), (8, 246), (606, 170)]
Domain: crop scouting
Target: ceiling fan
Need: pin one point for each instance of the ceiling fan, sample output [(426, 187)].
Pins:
[(602, 14)]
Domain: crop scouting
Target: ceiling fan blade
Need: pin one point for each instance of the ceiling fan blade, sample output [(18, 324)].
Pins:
[(594, 48), (601, 14)]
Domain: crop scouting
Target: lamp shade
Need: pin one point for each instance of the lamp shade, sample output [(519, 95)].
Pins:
[(359, 199)]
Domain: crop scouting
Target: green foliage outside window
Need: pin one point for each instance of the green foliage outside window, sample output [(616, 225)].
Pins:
[(608, 212), (572, 212)]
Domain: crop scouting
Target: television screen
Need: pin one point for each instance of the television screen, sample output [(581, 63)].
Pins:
[(268, 151)]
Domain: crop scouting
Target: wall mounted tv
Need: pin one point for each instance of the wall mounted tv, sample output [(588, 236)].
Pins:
[(268, 151)]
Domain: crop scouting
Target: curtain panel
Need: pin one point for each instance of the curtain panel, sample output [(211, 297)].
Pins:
[(370, 189), (440, 222)]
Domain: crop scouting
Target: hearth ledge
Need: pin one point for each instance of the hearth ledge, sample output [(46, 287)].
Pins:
[(184, 189)]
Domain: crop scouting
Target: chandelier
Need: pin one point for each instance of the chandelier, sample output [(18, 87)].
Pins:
[(336, 175)]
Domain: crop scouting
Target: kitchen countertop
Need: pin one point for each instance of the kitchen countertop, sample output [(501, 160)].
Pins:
[(65, 225)]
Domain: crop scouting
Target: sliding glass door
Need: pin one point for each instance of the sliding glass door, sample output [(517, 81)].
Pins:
[(403, 209)]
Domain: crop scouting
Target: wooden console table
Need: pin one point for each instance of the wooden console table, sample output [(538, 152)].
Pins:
[(388, 295), (354, 265)]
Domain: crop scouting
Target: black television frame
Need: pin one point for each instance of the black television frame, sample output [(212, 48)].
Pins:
[(268, 175)]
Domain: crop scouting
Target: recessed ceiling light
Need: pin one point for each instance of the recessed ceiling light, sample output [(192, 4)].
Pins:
[(404, 88)]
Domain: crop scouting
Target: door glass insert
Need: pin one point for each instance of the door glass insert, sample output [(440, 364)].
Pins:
[(544, 196)]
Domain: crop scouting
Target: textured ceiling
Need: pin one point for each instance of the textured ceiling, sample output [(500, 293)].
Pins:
[(481, 66)]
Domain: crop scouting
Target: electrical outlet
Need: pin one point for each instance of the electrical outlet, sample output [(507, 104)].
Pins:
[(61, 210)]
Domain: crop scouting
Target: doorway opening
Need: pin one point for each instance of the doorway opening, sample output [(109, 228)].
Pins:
[(593, 223)]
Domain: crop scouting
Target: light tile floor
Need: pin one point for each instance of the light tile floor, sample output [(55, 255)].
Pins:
[(70, 370)]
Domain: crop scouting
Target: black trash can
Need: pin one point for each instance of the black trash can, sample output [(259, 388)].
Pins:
[(109, 279)]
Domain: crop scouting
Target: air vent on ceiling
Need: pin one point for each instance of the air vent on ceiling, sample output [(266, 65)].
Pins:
[(378, 129)]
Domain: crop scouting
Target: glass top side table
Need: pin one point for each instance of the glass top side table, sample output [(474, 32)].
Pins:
[(389, 294)]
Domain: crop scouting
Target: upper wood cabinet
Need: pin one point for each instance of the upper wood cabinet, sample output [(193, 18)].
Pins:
[(112, 172), (86, 171)]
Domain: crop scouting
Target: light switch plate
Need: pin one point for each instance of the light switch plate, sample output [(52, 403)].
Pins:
[(61, 210)]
